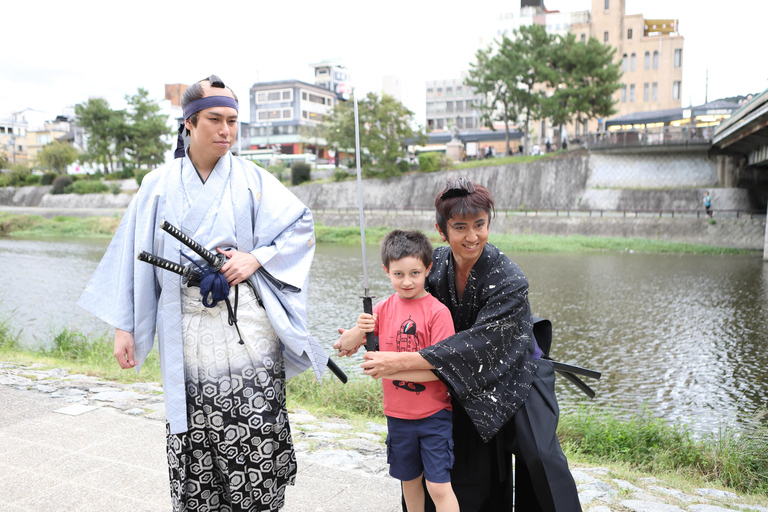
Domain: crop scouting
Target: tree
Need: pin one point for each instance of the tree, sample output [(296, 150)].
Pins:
[(145, 130), (105, 131), (57, 155), (596, 79), (385, 126), (491, 76)]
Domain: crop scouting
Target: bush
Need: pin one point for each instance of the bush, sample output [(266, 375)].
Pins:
[(429, 162), (115, 188), (300, 172), (139, 176), (402, 167), (340, 175), (60, 183), (32, 179), (48, 178), (86, 187)]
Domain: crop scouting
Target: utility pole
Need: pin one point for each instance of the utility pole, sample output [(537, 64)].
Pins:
[(706, 86)]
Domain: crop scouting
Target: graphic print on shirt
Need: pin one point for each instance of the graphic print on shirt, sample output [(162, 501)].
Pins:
[(408, 341)]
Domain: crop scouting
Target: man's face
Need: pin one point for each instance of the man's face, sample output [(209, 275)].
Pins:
[(216, 128), (468, 235)]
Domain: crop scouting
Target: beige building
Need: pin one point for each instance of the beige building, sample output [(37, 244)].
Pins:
[(650, 53)]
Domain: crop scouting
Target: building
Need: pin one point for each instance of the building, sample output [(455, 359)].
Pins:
[(650, 53), (451, 103), (534, 12), (286, 115), (13, 132), (174, 92), (390, 85), (58, 129), (332, 75)]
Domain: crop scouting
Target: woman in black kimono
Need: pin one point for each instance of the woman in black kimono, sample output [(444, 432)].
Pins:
[(504, 398)]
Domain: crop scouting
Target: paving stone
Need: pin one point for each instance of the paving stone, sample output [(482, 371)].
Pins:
[(599, 508), (756, 508), (626, 486), (376, 427), (674, 493), (135, 411), (76, 409), (334, 426), (300, 417), (323, 435), (363, 446), (708, 508), (586, 497), (648, 506), (717, 494), (580, 477)]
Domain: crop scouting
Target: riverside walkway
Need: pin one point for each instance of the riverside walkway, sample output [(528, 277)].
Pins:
[(81, 444)]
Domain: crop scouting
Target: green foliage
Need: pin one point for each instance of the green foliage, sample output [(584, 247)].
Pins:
[(340, 175), (19, 176), (9, 340), (280, 172), (57, 155), (47, 178), (34, 225), (60, 184), (86, 187), (712, 222), (115, 188), (651, 444), (428, 162), (146, 127), (139, 176), (385, 125), (106, 131), (300, 173), (362, 396)]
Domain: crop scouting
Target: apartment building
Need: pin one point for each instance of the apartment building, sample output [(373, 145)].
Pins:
[(452, 103), (650, 52), (287, 114)]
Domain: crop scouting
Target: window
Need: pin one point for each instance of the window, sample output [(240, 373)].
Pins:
[(607, 4), (449, 106), (655, 59), (469, 122), (676, 90), (439, 91), (430, 107), (270, 96), (629, 33), (632, 93), (449, 91), (583, 38), (440, 124), (646, 91), (654, 92), (287, 95), (43, 139), (429, 90), (459, 106), (678, 57), (624, 63), (605, 36), (314, 98), (632, 62), (623, 93), (647, 64), (279, 114), (458, 90), (273, 96), (312, 116), (459, 122)]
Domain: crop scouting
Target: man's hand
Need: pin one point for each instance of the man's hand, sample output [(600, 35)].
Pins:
[(239, 266), (383, 364), (124, 349)]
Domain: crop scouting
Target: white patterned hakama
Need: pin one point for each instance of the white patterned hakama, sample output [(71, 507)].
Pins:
[(237, 454)]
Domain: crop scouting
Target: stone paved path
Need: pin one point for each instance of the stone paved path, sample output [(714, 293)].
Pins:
[(335, 457)]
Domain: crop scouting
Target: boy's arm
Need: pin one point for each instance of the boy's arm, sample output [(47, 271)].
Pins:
[(351, 339)]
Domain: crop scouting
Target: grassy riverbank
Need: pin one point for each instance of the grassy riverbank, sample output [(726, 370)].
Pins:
[(36, 226), (636, 444)]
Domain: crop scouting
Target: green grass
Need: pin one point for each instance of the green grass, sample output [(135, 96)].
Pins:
[(636, 442), (35, 225), (505, 160)]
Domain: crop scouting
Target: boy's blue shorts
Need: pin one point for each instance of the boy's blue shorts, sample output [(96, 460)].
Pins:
[(421, 446)]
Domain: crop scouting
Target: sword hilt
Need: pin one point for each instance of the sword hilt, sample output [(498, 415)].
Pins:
[(163, 263), (216, 261), (370, 342)]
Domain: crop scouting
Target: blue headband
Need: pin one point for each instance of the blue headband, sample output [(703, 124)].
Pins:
[(195, 106)]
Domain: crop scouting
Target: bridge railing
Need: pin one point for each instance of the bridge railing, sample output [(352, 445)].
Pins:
[(562, 212), (665, 136)]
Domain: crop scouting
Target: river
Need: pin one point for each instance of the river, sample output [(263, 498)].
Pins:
[(686, 335)]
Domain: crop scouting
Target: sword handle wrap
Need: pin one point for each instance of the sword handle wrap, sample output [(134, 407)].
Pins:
[(370, 342), (162, 263), (212, 259)]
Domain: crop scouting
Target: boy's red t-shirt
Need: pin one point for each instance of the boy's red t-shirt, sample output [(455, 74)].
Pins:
[(408, 325)]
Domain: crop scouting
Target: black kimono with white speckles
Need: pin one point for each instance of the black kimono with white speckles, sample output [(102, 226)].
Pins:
[(488, 363)]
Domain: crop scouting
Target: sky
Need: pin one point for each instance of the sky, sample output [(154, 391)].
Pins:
[(58, 54)]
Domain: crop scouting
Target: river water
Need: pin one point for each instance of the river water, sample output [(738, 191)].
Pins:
[(686, 335)]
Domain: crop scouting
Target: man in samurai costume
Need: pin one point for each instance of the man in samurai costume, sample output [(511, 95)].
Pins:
[(504, 390), (229, 442)]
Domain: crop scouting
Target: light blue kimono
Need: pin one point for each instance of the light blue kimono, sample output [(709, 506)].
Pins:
[(240, 206)]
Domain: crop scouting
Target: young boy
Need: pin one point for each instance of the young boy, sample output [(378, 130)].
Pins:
[(417, 405)]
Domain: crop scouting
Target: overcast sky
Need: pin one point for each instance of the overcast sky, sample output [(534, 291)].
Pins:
[(57, 54)]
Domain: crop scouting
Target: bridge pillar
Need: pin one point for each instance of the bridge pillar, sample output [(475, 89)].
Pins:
[(765, 247)]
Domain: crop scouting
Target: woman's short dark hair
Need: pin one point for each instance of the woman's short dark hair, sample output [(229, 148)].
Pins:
[(460, 198), (195, 92), (399, 244)]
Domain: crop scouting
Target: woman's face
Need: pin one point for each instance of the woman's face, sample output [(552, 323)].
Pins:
[(467, 236)]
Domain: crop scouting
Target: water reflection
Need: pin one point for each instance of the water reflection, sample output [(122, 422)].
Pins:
[(684, 334)]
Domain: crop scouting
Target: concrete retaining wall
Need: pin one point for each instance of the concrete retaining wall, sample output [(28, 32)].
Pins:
[(652, 170)]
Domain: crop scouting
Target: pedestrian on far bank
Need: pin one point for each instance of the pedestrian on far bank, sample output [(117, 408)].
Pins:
[(708, 204), (416, 403)]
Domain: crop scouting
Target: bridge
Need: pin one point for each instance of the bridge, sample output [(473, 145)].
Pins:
[(741, 144)]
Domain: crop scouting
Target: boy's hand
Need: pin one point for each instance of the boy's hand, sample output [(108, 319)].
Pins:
[(366, 322), (349, 341)]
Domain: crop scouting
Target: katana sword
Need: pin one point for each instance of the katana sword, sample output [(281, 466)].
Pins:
[(370, 343), (191, 275)]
